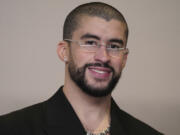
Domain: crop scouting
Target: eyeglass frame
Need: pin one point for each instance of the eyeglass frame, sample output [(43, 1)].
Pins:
[(98, 46)]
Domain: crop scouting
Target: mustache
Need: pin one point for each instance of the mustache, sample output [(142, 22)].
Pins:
[(106, 65)]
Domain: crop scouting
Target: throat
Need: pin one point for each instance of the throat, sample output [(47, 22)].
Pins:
[(99, 127)]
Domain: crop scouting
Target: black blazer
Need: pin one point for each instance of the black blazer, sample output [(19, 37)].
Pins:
[(57, 117)]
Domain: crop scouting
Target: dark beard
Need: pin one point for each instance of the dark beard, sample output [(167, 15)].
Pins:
[(78, 76)]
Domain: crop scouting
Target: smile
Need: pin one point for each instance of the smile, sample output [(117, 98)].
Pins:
[(101, 73)]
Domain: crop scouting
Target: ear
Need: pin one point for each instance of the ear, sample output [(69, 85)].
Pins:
[(62, 51), (125, 58)]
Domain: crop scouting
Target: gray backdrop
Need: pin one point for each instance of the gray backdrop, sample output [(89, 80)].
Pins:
[(31, 72)]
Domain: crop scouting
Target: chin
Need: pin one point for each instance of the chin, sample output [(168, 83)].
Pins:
[(99, 85)]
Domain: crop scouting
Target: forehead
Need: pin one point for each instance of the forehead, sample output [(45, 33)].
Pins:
[(100, 27)]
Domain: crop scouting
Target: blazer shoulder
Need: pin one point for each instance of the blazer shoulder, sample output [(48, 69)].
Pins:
[(22, 119), (133, 125)]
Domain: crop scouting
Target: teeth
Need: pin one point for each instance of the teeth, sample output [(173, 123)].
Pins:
[(98, 71)]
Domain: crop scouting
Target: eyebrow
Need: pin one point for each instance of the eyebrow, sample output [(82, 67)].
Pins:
[(120, 41), (88, 35)]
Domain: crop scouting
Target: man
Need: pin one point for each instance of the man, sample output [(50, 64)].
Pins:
[(94, 51)]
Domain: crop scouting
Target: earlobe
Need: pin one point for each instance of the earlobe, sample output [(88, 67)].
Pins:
[(124, 59), (62, 50)]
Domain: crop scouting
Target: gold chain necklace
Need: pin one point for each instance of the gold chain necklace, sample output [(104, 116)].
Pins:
[(105, 132)]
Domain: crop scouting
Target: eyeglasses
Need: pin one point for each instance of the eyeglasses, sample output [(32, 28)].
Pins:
[(113, 49)]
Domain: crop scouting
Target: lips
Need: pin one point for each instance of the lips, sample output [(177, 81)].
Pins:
[(101, 73)]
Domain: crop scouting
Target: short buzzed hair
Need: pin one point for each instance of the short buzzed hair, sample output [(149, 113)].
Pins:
[(98, 9)]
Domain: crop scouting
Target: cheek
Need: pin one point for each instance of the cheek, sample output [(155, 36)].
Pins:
[(117, 65), (81, 58)]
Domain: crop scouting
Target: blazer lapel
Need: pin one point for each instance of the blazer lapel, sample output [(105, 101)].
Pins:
[(116, 125), (61, 118)]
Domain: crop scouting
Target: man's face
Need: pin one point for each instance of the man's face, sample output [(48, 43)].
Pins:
[(96, 73)]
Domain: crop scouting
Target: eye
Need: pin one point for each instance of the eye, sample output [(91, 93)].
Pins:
[(114, 46), (90, 42)]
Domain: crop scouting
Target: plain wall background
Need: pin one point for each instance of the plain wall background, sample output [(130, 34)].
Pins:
[(30, 71)]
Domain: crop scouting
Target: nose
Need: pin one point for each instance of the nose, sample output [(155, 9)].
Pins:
[(101, 55)]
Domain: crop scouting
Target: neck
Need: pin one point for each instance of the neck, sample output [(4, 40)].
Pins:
[(90, 110)]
